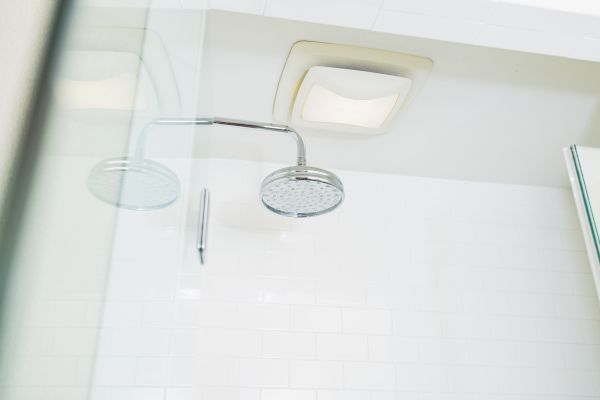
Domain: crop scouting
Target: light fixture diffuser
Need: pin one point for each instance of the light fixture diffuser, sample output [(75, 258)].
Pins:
[(341, 99), (323, 105)]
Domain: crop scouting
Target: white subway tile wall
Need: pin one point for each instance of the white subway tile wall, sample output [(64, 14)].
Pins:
[(415, 288)]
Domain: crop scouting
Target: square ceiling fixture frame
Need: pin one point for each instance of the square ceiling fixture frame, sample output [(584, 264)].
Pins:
[(305, 54)]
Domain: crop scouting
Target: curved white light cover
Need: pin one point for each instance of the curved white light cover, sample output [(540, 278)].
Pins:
[(324, 105), (338, 99)]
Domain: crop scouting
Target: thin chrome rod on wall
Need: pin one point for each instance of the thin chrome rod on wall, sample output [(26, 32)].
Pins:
[(301, 150)]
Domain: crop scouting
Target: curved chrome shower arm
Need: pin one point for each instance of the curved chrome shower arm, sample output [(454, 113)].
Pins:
[(301, 150)]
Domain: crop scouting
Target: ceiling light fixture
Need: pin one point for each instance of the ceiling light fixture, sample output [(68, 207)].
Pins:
[(327, 87), (345, 98)]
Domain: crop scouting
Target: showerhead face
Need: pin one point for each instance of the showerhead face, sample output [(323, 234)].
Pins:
[(301, 191), (136, 184)]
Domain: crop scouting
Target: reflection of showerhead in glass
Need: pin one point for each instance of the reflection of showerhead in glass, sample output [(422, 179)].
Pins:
[(136, 184)]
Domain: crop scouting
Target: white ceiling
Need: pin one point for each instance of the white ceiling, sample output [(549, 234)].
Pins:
[(483, 114)]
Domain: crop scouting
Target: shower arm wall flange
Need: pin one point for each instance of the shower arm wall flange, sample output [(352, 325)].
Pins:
[(301, 150)]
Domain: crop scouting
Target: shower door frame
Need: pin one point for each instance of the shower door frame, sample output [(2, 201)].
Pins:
[(585, 213)]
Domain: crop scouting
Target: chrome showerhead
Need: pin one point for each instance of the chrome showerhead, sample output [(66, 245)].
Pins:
[(136, 184), (141, 184), (301, 191)]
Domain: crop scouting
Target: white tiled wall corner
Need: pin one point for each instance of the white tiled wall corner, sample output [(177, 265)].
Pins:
[(496, 309)]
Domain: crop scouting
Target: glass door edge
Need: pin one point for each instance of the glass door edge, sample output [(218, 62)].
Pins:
[(584, 212)]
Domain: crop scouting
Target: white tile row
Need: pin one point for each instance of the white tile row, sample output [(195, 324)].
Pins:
[(351, 376), (409, 344), (133, 393)]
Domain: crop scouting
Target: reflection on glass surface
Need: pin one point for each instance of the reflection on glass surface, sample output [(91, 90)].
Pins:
[(56, 269), (114, 69)]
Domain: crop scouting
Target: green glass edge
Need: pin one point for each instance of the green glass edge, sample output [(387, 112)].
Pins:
[(586, 200)]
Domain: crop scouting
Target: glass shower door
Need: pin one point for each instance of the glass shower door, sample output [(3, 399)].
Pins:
[(57, 240), (583, 164)]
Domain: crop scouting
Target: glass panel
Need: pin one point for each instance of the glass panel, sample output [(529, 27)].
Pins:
[(77, 268), (56, 265), (139, 345), (583, 164)]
